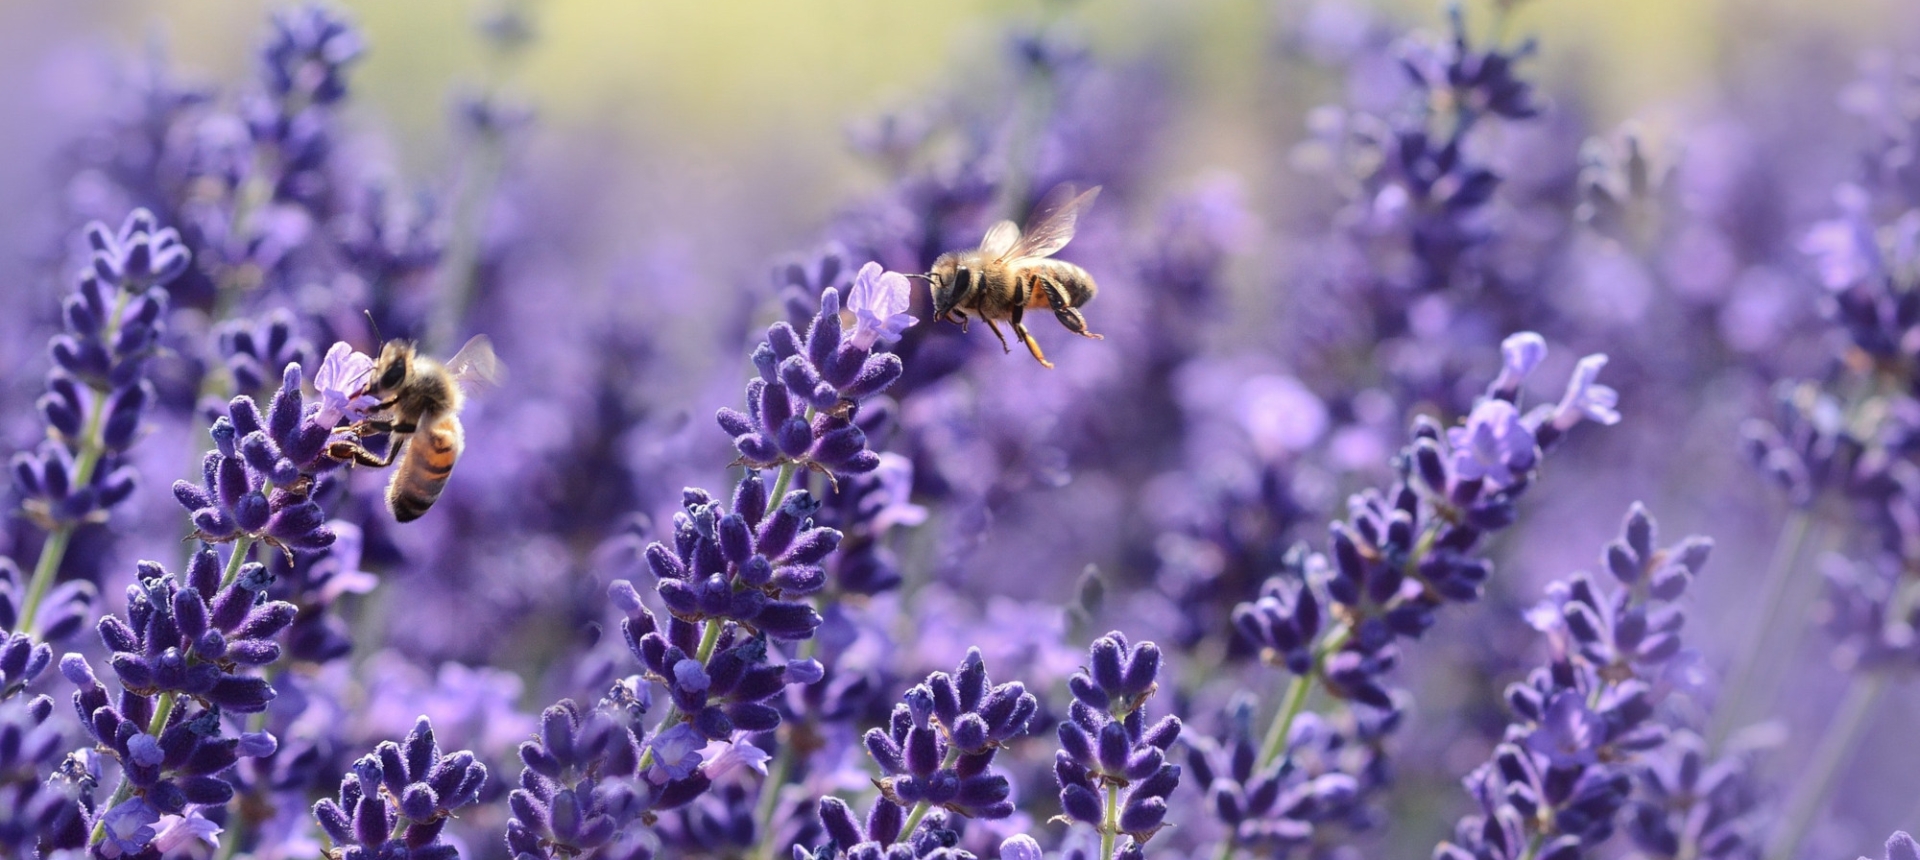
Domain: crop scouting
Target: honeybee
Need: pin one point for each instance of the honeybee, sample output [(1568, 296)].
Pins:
[(1011, 272), (420, 401)]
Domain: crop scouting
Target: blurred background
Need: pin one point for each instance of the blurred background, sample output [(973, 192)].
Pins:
[(623, 194)]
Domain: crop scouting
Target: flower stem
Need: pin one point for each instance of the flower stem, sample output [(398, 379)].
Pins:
[(44, 571), (920, 809), (1835, 749), (234, 561), (162, 712), (708, 639), (1780, 567), (54, 550), (1110, 828), (780, 484)]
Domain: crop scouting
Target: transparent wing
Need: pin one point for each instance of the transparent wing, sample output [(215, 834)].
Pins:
[(475, 367), (1051, 225), (1000, 239)]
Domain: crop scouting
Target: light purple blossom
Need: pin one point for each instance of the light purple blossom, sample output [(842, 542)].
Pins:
[(725, 758), (342, 372), (895, 475), (1493, 445), (1586, 399), (1519, 354), (676, 752), (879, 300), (1569, 732), (129, 827), (175, 832)]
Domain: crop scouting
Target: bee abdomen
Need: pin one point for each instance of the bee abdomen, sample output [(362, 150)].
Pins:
[(1070, 284), (423, 473)]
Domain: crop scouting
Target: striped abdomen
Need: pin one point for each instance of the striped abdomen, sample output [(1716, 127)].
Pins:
[(425, 466), (1072, 285)]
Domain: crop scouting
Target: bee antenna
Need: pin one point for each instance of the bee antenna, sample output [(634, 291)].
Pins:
[(373, 325), (928, 277)]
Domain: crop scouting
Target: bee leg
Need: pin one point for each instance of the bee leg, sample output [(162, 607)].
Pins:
[(996, 333), (348, 450), (1068, 316), (1026, 337)]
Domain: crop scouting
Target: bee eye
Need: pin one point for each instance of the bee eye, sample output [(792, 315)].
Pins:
[(393, 375)]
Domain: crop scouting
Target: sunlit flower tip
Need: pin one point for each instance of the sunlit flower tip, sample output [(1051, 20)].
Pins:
[(1901, 846), (177, 831), (1586, 399), (1021, 847), (1519, 354), (724, 758), (879, 300), (341, 372)]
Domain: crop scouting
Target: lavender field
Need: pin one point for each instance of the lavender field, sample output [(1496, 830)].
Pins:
[(520, 430)]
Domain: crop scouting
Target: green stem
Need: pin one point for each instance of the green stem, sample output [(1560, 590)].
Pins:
[(44, 571), (1780, 568), (239, 557), (1110, 827), (780, 484), (54, 550), (1290, 708), (1296, 700), (708, 639), (920, 809), (1835, 749), (161, 714)]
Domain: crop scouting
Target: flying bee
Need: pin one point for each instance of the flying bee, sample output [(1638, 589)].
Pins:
[(1011, 272), (420, 401)]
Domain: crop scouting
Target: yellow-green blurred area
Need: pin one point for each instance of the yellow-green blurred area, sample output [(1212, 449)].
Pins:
[(714, 79)]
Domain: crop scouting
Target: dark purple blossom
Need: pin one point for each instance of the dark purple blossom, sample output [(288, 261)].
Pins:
[(257, 483), (1107, 745), (801, 408), (396, 802)]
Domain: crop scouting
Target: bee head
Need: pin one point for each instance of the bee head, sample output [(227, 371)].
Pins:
[(393, 367), (950, 284)]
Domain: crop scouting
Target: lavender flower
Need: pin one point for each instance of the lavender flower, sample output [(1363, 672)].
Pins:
[(255, 354), (943, 737), (719, 683), (1106, 745), (750, 565), (98, 391), (582, 786), (396, 802), (169, 757), (256, 483), (195, 635), (307, 56), (38, 811), (827, 375), (1555, 786)]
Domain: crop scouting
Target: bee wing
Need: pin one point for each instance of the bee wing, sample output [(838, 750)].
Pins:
[(1051, 225), (475, 367), (1000, 239)]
